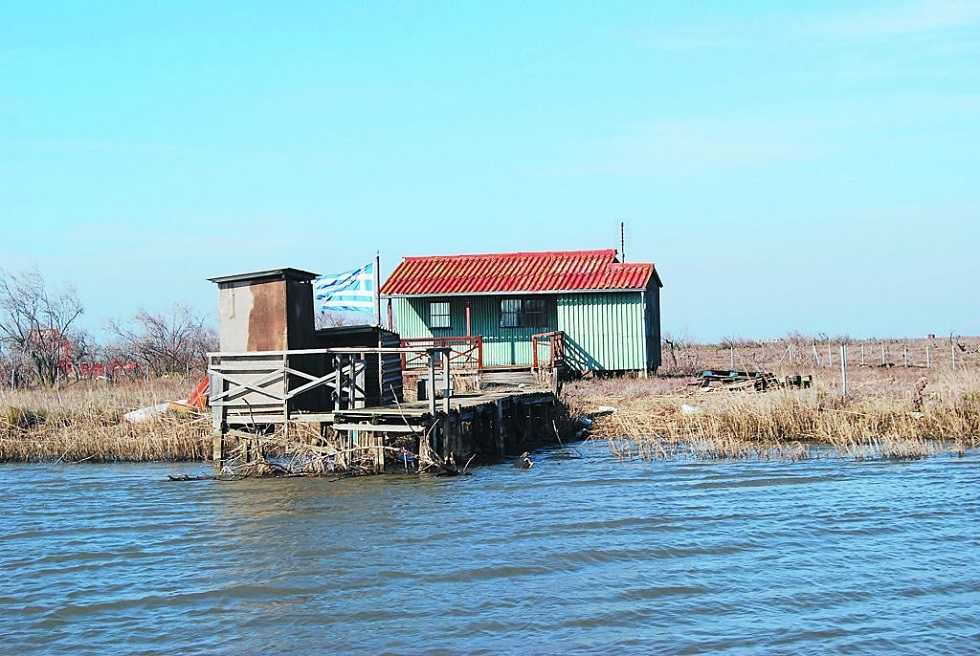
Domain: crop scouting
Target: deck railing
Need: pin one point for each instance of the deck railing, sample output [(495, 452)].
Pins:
[(267, 387), (548, 350), (465, 352)]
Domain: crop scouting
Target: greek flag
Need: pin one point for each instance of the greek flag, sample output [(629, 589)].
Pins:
[(350, 291)]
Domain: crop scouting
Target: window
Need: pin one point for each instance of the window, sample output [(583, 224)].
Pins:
[(535, 313), (523, 313), (439, 314), (510, 313)]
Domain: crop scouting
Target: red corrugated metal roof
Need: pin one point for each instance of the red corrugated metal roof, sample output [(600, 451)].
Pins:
[(516, 273)]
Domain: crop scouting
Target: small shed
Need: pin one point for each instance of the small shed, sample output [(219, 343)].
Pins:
[(604, 313), (269, 345), (266, 310)]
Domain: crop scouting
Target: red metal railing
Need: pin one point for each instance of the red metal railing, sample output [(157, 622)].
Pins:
[(554, 342), (464, 352)]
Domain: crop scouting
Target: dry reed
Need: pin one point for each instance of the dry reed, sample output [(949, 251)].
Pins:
[(84, 423), (883, 416)]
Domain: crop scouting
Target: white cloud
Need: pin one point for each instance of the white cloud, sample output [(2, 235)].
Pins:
[(888, 20), (901, 19)]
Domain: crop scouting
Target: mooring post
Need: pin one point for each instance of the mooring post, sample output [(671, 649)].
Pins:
[(500, 435), (218, 417), (447, 391), (431, 387)]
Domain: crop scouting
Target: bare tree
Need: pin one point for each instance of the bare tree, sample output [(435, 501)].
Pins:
[(166, 343), (684, 357), (36, 324)]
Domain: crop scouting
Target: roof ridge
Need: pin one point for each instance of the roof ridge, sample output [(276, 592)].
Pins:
[(599, 251)]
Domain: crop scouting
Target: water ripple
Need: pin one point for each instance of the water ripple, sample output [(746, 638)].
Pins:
[(579, 556)]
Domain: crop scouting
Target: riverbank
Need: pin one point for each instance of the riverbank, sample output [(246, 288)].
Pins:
[(900, 413), (886, 413), (84, 422)]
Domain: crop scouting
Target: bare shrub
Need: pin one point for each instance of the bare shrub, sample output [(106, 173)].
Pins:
[(37, 325)]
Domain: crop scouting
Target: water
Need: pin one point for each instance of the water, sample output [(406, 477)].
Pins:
[(574, 556)]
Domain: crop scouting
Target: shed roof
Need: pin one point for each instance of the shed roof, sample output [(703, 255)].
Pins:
[(265, 276), (509, 273)]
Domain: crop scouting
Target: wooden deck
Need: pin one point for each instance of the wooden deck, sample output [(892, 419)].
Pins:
[(257, 390)]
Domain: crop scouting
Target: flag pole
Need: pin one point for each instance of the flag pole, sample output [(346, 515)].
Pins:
[(377, 288)]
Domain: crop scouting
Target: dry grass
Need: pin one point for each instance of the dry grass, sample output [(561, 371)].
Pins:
[(888, 413), (84, 423)]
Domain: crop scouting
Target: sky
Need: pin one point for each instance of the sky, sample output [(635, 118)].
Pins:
[(810, 167)]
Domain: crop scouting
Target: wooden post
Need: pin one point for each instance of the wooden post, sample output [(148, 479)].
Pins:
[(843, 369), (928, 358), (351, 382), (379, 451), (905, 356), (882, 354), (447, 381), (432, 383), (218, 418), (862, 354), (501, 431), (952, 352)]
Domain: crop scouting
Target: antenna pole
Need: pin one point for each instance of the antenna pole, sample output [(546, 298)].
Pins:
[(622, 240)]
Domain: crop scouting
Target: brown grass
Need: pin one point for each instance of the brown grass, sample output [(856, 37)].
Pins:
[(84, 423), (888, 413)]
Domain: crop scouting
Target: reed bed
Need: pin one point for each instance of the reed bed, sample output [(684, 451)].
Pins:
[(84, 422), (883, 416)]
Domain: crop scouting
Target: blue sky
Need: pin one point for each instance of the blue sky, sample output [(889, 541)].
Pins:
[(787, 166)]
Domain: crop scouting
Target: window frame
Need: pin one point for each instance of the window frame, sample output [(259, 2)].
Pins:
[(537, 316), (516, 313), (440, 320), (513, 315)]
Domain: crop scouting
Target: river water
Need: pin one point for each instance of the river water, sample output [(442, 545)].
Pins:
[(579, 555)]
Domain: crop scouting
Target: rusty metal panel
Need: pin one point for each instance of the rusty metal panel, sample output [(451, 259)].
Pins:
[(267, 320), (266, 311)]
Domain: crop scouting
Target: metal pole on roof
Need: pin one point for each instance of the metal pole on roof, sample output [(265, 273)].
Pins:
[(622, 241)]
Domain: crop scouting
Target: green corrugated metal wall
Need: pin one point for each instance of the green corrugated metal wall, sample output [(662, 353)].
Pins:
[(603, 331)]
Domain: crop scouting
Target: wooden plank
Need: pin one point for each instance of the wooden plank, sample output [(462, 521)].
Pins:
[(378, 428)]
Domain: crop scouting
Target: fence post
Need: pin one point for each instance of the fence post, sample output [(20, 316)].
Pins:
[(843, 369), (906, 356), (928, 359)]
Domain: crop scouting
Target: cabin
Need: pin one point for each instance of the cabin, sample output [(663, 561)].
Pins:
[(343, 386), (583, 310)]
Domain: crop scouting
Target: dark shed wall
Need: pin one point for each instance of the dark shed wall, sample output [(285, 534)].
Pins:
[(383, 375)]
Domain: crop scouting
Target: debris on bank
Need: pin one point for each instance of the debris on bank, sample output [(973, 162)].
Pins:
[(196, 402), (757, 380)]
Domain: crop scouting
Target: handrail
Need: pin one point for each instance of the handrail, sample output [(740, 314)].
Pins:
[(345, 350), (555, 341), (276, 380), (465, 352)]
